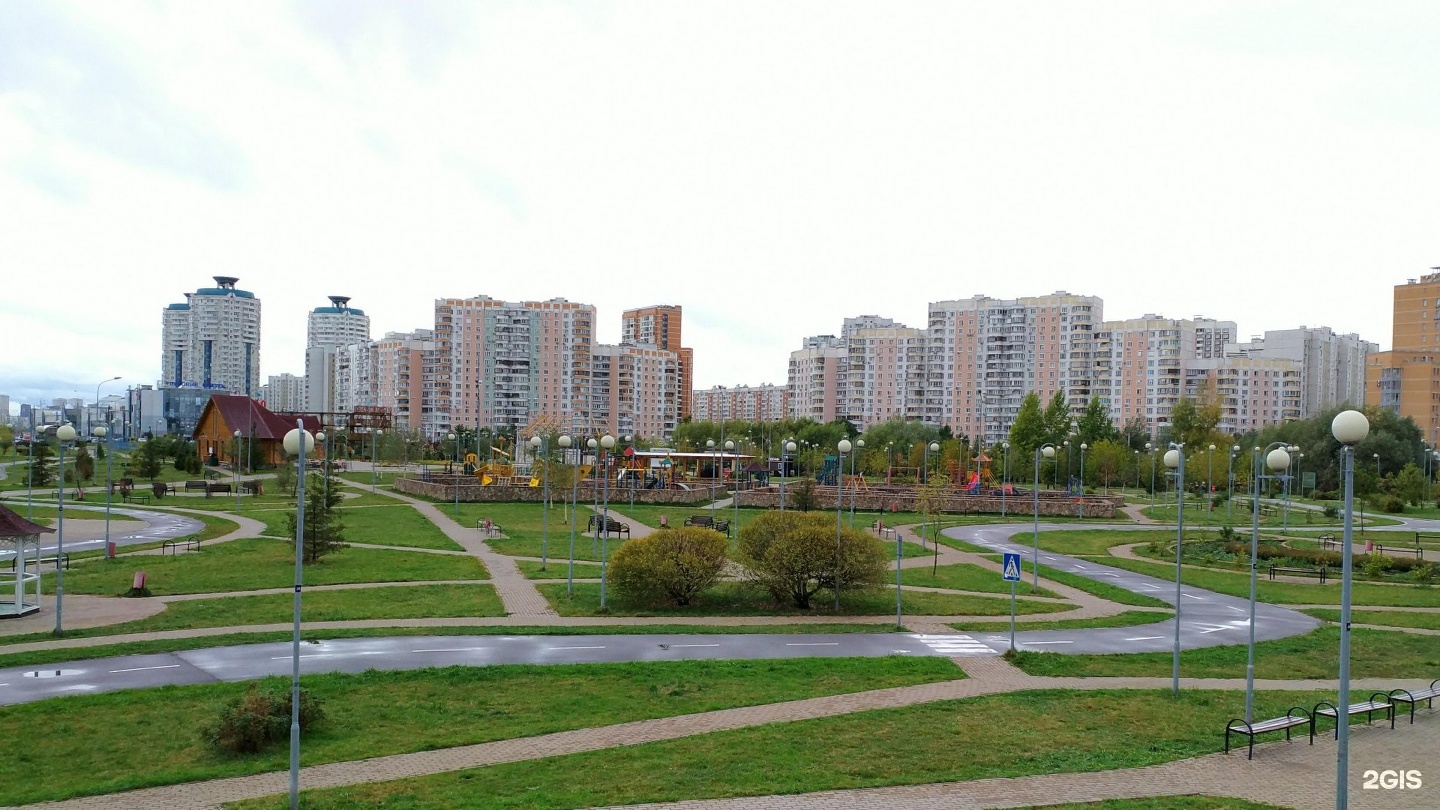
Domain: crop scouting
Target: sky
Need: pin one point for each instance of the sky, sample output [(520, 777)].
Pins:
[(771, 167)]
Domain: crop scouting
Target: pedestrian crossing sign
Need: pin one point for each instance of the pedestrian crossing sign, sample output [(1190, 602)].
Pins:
[(1011, 567)]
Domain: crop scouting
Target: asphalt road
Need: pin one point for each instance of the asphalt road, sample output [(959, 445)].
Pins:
[(156, 526)]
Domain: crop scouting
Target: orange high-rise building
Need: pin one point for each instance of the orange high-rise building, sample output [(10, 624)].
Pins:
[(1406, 379), (659, 326)]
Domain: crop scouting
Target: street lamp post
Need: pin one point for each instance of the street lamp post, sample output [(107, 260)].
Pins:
[(843, 447), (97, 399), (1285, 492), (65, 433), (630, 442), (1175, 460), (1349, 428), (565, 442), (1080, 505), (1047, 451), (539, 443), (606, 442), (1276, 458), (1150, 449), (1230, 493), (786, 449), (1004, 476), (297, 443), (455, 471), (714, 471), (100, 432), (932, 447), (236, 465), (731, 447), (593, 445), (854, 483), (374, 456), (1210, 485)]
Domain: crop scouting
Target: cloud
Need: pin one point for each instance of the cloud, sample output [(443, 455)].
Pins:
[(44, 174)]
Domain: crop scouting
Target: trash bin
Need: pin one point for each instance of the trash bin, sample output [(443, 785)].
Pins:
[(110, 549), (664, 522)]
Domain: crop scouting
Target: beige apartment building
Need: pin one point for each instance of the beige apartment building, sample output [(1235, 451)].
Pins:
[(758, 403), (662, 326), (403, 361), (814, 378), (1406, 379)]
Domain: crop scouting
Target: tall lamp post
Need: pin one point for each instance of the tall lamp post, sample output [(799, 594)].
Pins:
[(714, 471), (455, 472), (1210, 485), (843, 447), (1046, 451), (1004, 476), (97, 397), (630, 442), (100, 432), (785, 450), (374, 456), (1285, 490), (540, 444), (1080, 505), (1175, 460), (730, 447), (565, 443), (1150, 449), (298, 443), (1349, 428), (65, 433), (236, 465), (854, 483), (606, 442), (1277, 459), (1230, 493)]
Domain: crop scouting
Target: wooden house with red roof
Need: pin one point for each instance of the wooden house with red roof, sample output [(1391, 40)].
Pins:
[(225, 414)]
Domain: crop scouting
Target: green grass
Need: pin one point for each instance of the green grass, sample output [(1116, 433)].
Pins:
[(1293, 593), (252, 564), (557, 569), (1129, 618), (63, 654), (1097, 542), (1024, 734), (1373, 654), (1389, 618), (92, 741), (736, 599), (398, 525), (965, 577)]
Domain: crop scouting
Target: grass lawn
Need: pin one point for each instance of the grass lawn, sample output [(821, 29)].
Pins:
[(1295, 593), (1390, 618), (1129, 618), (384, 478), (1373, 654), (251, 564), (58, 654), (557, 569), (409, 602), (736, 599), (1024, 734), (1098, 542), (966, 577), (397, 525), (96, 737)]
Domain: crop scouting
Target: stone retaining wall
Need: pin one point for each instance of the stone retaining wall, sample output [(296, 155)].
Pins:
[(1093, 506), (442, 488)]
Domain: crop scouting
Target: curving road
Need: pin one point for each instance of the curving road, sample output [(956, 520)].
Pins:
[(155, 526)]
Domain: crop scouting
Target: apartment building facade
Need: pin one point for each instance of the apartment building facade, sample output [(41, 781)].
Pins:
[(1143, 365), (883, 374), (212, 340), (284, 392), (1406, 379), (813, 378), (327, 329), (635, 390), (405, 368), (757, 403), (1332, 365), (662, 326)]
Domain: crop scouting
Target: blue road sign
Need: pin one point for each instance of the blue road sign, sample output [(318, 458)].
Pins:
[(1011, 567)]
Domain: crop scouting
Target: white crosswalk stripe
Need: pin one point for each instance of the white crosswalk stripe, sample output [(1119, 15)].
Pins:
[(955, 646)]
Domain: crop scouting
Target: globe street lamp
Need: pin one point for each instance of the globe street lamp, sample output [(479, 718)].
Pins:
[(374, 456), (593, 445), (1066, 445), (1349, 428), (539, 443), (1210, 485), (1285, 489), (735, 499), (565, 442), (1175, 460), (715, 473), (629, 442), (606, 442), (1047, 451), (1230, 494), (1149, 448), (843, 447), (854, 482), (786, 449), (1004, 476), (1276, 459), (100, 431), (236, 464), (65, 433), (1080, 504), (932, 447), (297, 443)]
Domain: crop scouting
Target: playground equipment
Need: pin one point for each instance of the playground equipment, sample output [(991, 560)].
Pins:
[(830, 473)]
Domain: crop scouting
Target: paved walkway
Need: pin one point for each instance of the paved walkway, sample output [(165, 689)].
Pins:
[(1292, 773)]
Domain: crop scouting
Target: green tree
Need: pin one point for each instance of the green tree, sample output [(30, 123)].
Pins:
[(794, 557), (1028, 431), (149, 459), (285, 477), (324, 530), (672, 565), (1411, 485), (1107, 461), (7, 438), (42, 470), (1095, 424), (802, 495), (1057, 419), (84, 465)]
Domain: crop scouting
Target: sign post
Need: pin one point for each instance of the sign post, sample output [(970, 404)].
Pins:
[(1010, 570)]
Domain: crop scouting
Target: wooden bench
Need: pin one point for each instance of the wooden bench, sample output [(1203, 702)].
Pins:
[(217, 489), (1406, 696), (1322, 573), (1418, 552), (1327, 541), (252, 487), (191, 543), (1289, 721), (609, 524), (705, 521), (195, 486), (1368, 708), (883, 531), (63, 559)]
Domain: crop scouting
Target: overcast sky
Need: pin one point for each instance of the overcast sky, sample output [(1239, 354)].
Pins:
[(771, 167)]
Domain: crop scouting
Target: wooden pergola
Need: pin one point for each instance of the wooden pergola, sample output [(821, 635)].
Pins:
[(20, 540)]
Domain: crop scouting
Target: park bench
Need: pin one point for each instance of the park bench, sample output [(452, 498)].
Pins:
[(1289, 721), (705, 521), (63, 559), (883, 531), (609, 524), (135, 497), (1418, 552), (1322, 573), (196, 486), (486, 525), (191, 543), (1328, 541), (1406, 696), (252, 487), (217, 489), (1368, 708)]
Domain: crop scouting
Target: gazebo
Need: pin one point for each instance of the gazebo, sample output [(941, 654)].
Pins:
[(20, 540)]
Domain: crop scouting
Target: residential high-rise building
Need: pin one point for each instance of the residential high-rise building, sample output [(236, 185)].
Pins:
[(883, 375), (1252, 392), (329, 328), (1143, 366), (634, 390), (813, 378), (402, 360), (1406, 379), (660, 326), (1332, 366), (356, 383), (284, 393), (212, 340), (758, 403), (984, 355)]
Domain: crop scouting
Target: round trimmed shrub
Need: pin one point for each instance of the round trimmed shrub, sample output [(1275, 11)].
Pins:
[(670, 565)]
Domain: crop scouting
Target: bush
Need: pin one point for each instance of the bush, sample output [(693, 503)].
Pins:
[(671, 565), (1331, 511), (1376, 565), (1394, 505), (794, 556), (258, 718), (802, 495)]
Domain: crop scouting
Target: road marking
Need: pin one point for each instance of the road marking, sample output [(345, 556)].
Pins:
[(1049, 558), (1030, 643), (575, 648), (329, 655), (450, 649), (141, 669), (955, 645), (1190, 596), (673, 646), (810, 644), (1145, 638)]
